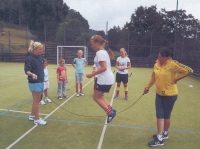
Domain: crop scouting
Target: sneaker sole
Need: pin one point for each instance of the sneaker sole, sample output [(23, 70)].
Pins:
[(164, 138), (39, 124), (156, 145)]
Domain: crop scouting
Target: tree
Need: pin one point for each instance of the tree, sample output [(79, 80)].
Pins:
[(44, 15)]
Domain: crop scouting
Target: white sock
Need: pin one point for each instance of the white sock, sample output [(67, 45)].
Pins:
[(159, 137)]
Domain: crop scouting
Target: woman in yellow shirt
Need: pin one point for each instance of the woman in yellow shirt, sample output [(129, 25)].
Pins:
[(166, 73)]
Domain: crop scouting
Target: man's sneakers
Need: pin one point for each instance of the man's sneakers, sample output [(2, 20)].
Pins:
[(42, 102), (156, 142), (40, 122), (111, 116), (163, 136)]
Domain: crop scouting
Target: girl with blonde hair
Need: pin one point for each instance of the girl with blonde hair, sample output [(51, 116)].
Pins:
[(123, 63), (35, 70)]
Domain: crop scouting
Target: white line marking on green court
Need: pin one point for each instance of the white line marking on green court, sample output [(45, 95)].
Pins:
[(19, 111), (20, 138), (105, 126)]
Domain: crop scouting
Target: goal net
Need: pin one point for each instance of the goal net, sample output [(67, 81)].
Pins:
[(68, 53)]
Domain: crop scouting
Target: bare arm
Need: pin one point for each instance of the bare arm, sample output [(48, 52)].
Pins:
[(100, 70)]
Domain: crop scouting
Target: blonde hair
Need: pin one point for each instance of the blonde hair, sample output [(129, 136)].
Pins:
[(61, 60), (104, 43), (80, 51), (33, 45), (126, 55)]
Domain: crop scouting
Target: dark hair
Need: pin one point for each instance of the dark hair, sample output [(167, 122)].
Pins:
[(165, 52)]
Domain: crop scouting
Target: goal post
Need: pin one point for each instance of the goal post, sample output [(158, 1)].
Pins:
[(68, 53)]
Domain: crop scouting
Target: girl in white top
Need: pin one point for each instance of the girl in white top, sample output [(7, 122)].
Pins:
[(122, 64), (46, 83), (105, 77)]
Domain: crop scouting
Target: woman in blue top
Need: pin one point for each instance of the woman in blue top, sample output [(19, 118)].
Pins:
[(78, 64), (35, 70)]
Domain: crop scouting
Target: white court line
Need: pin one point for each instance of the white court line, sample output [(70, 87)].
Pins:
[(20, 138), (19, 111), (105, 126)]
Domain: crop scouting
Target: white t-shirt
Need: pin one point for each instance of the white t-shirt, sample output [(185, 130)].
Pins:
[(106, 77), (95, 68), (123, 62), (46, 75)]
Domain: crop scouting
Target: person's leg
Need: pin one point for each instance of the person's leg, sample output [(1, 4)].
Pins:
[(77, 82), (126, 91), (168, 107), (64, 89), (46, 93), (118, 80), (35, 105), (81, 84), (100, 99), (59, 89)]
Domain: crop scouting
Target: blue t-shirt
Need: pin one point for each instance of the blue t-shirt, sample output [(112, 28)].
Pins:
[(80, 63)]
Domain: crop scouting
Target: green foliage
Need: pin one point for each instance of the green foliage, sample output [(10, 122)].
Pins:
[(74, 31)]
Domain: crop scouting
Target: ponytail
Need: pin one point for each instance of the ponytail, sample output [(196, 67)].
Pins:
[(33, 45)]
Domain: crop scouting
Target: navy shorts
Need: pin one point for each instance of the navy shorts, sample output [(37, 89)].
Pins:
[(164, 106), (103, 88), (121, 78)]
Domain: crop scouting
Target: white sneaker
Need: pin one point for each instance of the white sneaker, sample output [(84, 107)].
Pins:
[(31, 117), (81, 94), (48, 100), (40, 121), (42, 102), (59, 97), (77, 94)]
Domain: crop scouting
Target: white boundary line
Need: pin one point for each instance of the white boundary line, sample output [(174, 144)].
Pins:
[(19, 111), (20, 138), (105, 126)]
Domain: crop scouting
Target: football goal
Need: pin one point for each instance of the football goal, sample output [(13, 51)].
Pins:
[(68, 53)]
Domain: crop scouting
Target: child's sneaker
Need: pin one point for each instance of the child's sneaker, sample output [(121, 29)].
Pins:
[(81, 94), (77, 94), (48, 100), (40, 121), (42, 102), (156, 142), (31, 117), (163, 136), (116, 96), (111, 116), (126, 98), (59, 97), (65, 96)]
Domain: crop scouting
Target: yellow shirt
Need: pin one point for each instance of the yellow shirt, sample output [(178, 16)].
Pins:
[(164, 75)]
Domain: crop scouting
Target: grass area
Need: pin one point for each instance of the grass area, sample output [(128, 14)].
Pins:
[(18, 39), (132, 128)]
